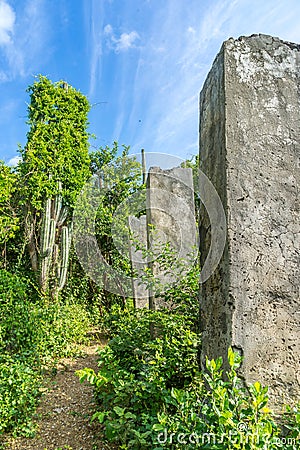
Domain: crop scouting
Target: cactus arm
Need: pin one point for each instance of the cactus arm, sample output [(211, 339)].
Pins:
[(57, 204), (45, 232), (47, 256), (65, 247), (63, 215)]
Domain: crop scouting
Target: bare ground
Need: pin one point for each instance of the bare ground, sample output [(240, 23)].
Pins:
[(63, 416)]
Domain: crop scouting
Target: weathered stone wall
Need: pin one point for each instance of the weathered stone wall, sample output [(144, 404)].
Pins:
[(250, 150), (138, 243), (171, 213)]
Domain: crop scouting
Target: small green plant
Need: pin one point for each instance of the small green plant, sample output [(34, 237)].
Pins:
[(223, 415), (19, 392), (290, 437)]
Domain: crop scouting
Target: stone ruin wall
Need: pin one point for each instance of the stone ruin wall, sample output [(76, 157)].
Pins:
[(250, 150), (170, 212)]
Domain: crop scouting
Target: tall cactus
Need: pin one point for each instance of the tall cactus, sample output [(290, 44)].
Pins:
[(55, 242), (51, 154)]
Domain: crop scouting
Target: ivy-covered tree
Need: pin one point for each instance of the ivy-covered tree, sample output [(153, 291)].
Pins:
[(55, 165)]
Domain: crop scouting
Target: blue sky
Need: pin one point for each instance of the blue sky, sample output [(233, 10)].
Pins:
[(140, 63)]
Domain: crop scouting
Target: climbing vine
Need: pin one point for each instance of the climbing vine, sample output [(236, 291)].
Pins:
[(54, 167)]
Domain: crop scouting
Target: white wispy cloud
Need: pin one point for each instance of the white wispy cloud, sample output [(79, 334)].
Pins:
[(173, 78), (7, 22), (23, 34), (94, 13), (123, 42), (3, 76), (126, 41), (169, 82), (108, 29), (154, 91), (14, 161)]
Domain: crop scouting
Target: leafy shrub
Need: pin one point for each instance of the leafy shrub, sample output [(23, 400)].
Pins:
[(224, 415), (62, 327), (290, 424), (137, 372), (173, 348), (37, 328), (19, 392), (17, 327), (32, 333), (151, 394)]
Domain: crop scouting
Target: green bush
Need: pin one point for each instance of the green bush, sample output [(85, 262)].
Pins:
[(62, 327), (223, 415), (17, 326), (19, 392), (162, 341), (33, 331), (137, 373), (39, 328), (151, 394)]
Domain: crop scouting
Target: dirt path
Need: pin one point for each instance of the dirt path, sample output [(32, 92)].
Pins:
[(65, 410)]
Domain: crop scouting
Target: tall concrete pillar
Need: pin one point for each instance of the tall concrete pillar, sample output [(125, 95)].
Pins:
[(138, 243), (170, 219), (250, 150)]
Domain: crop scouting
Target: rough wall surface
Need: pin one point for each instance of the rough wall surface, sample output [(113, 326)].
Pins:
[(171, 213), (250, 149), (138, 228)]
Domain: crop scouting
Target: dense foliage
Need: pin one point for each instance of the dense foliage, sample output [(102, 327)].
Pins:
[(151, 393), (47, 302), (57, 143), (8, 218), (120, 178), (53, 169), (149, 389), (33, 332)]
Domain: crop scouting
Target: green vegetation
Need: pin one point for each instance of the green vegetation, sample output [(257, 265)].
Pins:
[(151, 393), (54, 167), (8, 218), (33, 333), (47, 303), (150, 390)]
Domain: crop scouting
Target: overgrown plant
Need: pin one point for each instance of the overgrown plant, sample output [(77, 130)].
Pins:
[(33, 333), (116, 176), (54, 167), (176, 280), (151, 394), (19, 393), (137, 373)]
